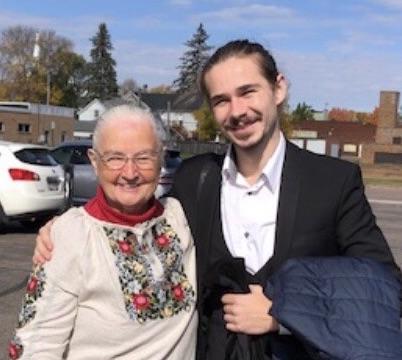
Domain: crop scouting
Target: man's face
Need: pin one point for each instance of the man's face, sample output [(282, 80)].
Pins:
[(129, 188), (244, 103)]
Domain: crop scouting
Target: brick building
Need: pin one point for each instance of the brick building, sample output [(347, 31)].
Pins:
[(35, 123), (388, 140), (335, 138)]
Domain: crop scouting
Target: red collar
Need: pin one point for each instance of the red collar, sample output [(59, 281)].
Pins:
[(101, 210)]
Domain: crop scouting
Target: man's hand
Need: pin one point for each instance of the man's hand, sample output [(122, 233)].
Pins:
[(44, 246), (248, 313)]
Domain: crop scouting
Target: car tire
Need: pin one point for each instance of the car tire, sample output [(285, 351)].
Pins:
[(3, 219)]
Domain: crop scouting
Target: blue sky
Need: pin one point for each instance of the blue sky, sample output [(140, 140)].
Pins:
[(334, 53)]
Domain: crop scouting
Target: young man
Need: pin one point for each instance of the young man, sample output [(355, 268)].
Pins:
[(266, 201)]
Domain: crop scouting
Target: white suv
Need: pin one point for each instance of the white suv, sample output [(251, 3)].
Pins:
[(31, 183)]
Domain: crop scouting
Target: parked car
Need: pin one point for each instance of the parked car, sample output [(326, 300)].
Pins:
[(80, 176), (172, 161), (32, 183)]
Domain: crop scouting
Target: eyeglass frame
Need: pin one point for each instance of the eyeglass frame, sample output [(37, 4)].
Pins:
[(153, 154)]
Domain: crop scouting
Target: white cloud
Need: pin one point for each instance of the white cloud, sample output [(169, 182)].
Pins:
[(357, 41), (395, 4), (181, 2), (250, 13)]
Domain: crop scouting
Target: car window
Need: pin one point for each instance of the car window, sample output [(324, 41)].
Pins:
[(62, 155), (172, 159), (79, 156), (35, 157)]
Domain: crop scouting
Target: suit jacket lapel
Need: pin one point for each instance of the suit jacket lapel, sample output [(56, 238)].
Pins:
[(288, 199)]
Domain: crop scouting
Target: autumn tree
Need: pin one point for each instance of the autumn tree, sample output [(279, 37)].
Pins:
[(102, 83), (207, 126), (24, 77), (374, 116), (339, 114), (192, 61)]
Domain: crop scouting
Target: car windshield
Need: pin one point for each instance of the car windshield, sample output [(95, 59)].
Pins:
[(35, 156)]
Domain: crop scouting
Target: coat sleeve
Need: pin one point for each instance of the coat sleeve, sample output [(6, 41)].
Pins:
[(50, 303)]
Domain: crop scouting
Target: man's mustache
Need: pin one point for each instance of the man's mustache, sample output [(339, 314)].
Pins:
[(236, 121)]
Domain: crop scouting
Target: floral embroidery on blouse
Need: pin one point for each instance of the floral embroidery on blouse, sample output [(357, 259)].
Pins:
[(34, 290), (15, 348), (151, 273)]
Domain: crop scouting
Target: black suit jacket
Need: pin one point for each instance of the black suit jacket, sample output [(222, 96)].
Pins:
[(322, 210)]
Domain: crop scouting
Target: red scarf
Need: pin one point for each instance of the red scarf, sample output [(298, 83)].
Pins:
[(100, 209)]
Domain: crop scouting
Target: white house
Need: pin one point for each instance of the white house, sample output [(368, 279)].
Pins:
[(88, 115)]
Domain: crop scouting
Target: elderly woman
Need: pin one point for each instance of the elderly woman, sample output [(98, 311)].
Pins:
[(121, 282)]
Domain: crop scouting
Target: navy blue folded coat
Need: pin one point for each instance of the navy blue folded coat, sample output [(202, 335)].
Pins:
[(339, 307)]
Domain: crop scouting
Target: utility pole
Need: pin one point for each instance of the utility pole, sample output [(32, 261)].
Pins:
[(36, 54)]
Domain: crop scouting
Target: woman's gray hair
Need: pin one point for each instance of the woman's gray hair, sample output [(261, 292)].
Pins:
[(125, 112)]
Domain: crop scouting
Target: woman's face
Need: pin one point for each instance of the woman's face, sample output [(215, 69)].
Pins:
[(129, 188)]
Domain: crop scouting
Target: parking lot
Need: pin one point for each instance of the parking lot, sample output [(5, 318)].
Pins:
[(16, 246)]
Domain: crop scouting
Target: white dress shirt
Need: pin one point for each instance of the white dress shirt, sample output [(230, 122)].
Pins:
[(249, 211)]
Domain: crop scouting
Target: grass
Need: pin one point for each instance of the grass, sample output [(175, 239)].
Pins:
[(382, 175)]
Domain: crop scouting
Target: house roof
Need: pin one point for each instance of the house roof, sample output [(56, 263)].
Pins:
[(158, 102), (80, 111), (178, 102), (189, 101)]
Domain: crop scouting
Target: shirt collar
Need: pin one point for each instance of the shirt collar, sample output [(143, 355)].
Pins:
[(271, 172)]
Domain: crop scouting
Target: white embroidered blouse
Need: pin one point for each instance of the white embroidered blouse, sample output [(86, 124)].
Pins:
[(112, 292)]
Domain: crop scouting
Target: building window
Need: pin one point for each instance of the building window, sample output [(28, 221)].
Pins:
[(24, 128), (397, 140), (2, 127), (350, 148), (63, 136), (96, 113)]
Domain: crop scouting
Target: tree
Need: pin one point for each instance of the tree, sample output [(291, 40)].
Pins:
[(302, 112), (70, 79), (127, 86), (207, 126), (193, 60), (339, 114), (374, 116), (102, 83), (285, 119), (24, 77), (161, 89), (362, 117)]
